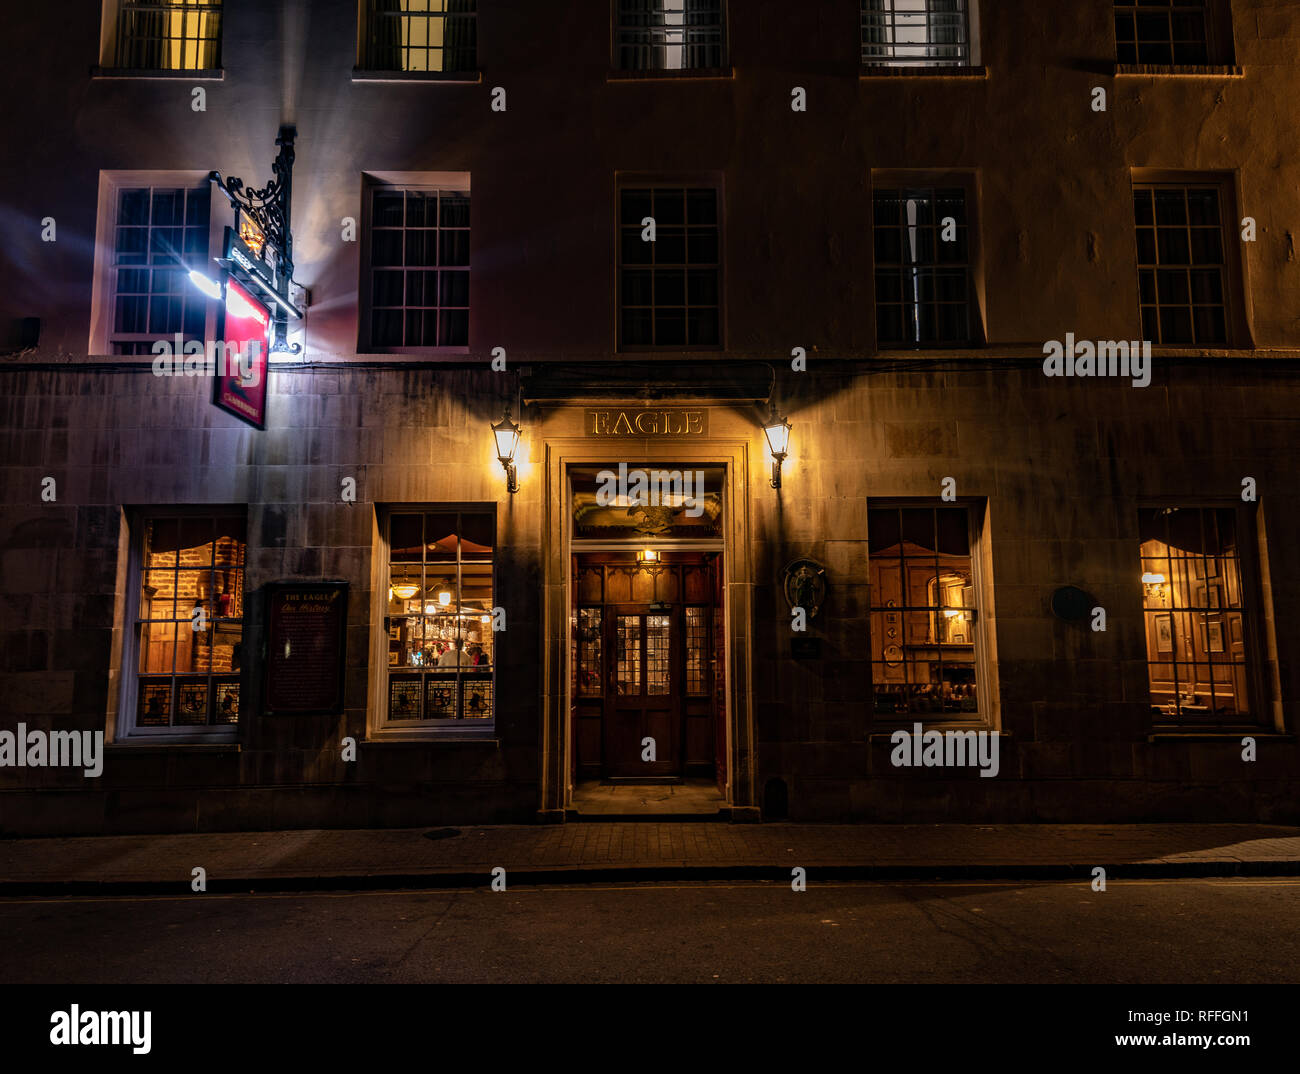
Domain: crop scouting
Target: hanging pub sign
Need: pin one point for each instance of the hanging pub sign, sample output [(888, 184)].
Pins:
[(306, 630), (240, 387)]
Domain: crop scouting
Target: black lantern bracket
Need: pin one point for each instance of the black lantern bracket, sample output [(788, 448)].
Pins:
[(269, 210)]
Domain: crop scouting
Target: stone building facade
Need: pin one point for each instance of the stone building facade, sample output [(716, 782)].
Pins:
[(953, 518)]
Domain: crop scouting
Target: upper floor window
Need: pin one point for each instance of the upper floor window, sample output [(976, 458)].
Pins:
[(164, 35), (923, 267), (669, 288), (419, 35), (1197, 572), (669, 35), (188, 576), (440, 639), (416, 291), (924, 611), (1183, 277), (928, 33), (159, 234), (1173, 32)]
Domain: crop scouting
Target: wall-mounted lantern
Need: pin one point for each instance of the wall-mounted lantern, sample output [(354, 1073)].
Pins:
[(1155, 587), (647, 555), (777, 431), (506, 434)]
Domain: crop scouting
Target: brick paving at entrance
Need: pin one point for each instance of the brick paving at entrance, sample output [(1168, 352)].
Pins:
[(646, 850)]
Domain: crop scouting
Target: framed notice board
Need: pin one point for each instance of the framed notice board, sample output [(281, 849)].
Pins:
[(306, 632)]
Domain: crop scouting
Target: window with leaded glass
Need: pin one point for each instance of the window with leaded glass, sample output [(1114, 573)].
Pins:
[(418, 287), (1196, 580), (669, 35), (590, 664), (159, 235), (189, 623), (419, 35), (928, 33), (923, 271), (1182, 265), (669, 288), (697, 650), (439, 620), (924, 612)]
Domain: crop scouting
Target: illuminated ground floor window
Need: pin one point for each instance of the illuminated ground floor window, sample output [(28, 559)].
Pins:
[(440, 646), (924, 612), (1195, 581)]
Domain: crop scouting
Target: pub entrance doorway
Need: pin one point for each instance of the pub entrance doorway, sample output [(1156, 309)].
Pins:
[(648, 666)]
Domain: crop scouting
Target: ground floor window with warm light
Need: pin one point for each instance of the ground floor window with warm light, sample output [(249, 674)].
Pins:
[(185, 652), (1197, 572), (924, 612), (439, 617)]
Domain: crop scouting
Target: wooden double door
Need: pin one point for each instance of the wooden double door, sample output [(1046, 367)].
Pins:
[(643, 706), (646, 678)]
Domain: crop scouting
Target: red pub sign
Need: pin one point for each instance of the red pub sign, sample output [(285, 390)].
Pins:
[(240, 388)]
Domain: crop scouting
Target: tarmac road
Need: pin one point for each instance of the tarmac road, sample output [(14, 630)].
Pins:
[(1157, 931)]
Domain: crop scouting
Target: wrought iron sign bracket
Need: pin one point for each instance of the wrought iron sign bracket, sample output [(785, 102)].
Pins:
[(262, 222)]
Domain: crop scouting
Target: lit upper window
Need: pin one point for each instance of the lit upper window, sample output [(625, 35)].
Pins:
[(166, 35), (419, 35)]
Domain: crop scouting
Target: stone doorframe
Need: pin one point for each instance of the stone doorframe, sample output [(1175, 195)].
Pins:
[(556, 747)]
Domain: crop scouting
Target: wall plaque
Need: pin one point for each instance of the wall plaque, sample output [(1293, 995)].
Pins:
[(306, 627), (663, 423)]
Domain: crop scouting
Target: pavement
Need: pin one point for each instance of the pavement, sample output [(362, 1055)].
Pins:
[(354, 859)]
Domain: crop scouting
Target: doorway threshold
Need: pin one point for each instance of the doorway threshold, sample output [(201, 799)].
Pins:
[(644, 800)]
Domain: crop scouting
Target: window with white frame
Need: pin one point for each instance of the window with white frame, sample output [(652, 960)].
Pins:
[(185, 653), (926, 33), (440, 641), (417, 267), (925, 621), (419, 35), (669, 35), (158, 234), (162, 35)]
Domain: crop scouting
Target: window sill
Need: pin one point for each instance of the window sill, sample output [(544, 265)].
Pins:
[(884, 70), (433, 737), (1191, 350), (453, 78), (413, 354), (946, 350), (1178, 70), (1201, 734), (213, 74), (714, 73), (885, 730), (154, 744), (684, 353)]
